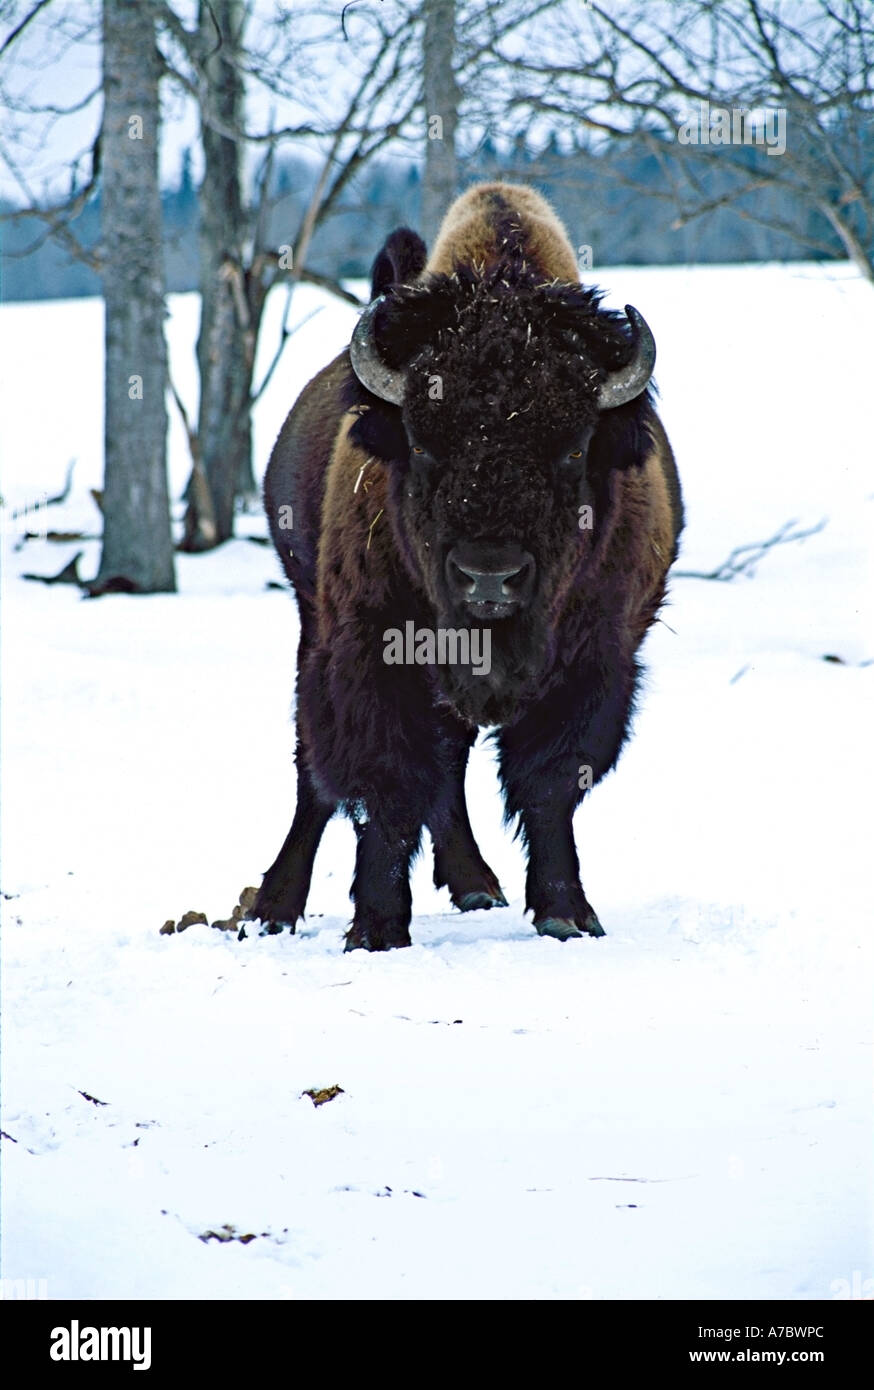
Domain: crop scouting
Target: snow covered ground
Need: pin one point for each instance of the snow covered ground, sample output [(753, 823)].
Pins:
[(680, 1110)]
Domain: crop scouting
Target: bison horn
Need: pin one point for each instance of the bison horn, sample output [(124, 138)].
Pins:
[(629, 381), (368, 366)]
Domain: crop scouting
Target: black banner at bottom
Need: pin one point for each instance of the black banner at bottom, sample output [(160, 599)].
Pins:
[(86, 1337)]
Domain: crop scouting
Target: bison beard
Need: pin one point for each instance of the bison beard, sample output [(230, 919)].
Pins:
[(435, 474)]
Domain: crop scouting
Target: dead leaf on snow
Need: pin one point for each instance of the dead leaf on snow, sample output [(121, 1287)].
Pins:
[(225, 1234), (321, 1097)]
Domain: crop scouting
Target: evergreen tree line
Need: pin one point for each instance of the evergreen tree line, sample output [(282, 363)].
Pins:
[(623, 200)]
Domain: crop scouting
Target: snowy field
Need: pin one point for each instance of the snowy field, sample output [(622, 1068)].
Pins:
[(680, 1110)]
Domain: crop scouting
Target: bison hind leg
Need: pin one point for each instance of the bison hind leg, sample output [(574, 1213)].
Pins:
[(458, 864)]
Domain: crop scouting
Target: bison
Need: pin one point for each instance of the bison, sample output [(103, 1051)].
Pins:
[(483, 461)]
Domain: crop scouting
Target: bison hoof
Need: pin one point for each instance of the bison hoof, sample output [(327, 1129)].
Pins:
[(275, 928), (564, 928), (274, 914), (469, 902), (271, 922), (386, 935)]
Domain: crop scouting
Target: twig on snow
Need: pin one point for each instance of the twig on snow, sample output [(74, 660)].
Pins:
[(744, 558)]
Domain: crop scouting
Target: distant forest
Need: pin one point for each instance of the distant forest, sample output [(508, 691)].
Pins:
[(616, 200)]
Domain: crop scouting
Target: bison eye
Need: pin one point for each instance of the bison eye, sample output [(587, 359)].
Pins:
[(576, 455), (420, 456)]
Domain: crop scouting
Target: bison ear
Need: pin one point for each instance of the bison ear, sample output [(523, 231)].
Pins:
[(381, 432), (401, 259), (407, 319), (391, 331)]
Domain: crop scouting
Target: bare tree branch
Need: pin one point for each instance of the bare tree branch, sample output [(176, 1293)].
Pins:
[(744, 558), (20, 28)]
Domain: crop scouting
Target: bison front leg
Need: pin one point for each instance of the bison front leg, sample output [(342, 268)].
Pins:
[(375, 742), (556, 752), (283, 893), (553, 891), (381, 887)]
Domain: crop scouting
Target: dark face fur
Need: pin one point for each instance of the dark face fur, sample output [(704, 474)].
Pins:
[(491, 461)]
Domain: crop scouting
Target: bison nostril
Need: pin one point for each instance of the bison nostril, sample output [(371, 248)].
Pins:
[(462, 579), (515, 581)]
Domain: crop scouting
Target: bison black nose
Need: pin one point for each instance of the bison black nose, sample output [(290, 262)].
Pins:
[(495, 578)]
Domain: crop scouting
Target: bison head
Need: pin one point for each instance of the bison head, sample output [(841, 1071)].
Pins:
[(497, 406)]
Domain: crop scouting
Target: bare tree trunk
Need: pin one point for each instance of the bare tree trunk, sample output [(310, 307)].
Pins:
[(137, 541), (226, 344), (441, 114), (237, 265), (861, 256)]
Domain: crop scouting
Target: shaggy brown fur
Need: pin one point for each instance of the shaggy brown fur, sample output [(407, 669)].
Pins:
[(468, 235), (505, 455)]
